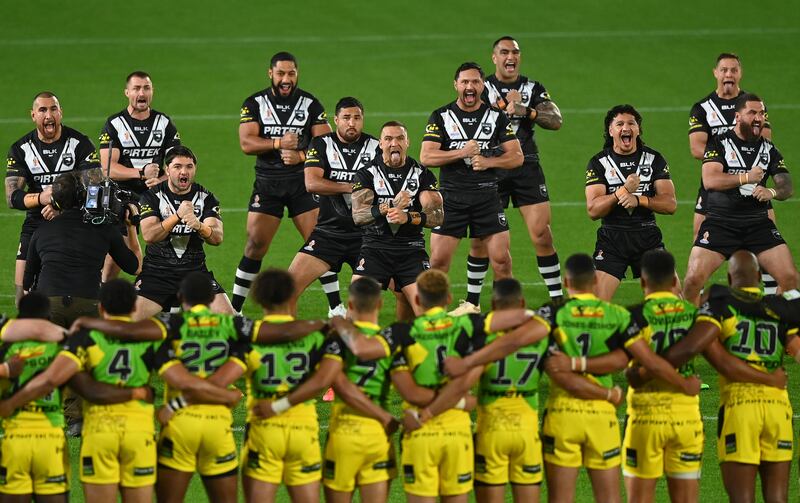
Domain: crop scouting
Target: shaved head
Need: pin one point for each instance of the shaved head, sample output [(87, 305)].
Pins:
[(743, 270)]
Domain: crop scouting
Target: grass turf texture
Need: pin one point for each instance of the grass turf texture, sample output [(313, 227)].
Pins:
[(206, 57)]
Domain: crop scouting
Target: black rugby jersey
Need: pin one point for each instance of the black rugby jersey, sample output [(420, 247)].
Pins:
[(183, 250), (275, 116), (532, 93), (611, 169), (385, 183), (41, 163), (452, 128), (714, 115), (140, 142), (339, 161), (739, 156)]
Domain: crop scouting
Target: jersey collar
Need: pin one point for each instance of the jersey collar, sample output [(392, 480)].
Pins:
[(661, 295), (584, 296), (751, 289), (119, 318), (198, 308), (278, 317), (434, 311), (367, 324)]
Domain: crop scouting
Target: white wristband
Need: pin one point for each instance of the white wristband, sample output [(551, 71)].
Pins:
[(281, 406), (530, 313), (583, 364), (461, 404)]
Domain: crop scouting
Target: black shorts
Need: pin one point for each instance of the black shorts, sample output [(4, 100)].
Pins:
[(271, 195), (616, 250), (332, 250), (522, 186), (161, 285), (402, 266), (24, 241), (728, 237), (479, 212), (701, 206)]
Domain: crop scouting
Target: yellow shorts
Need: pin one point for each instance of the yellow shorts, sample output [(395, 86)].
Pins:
[(438, 458), (579, 432), (755, 425), (507, 446), (664, 442), (357, 452), (34, 461), (283, 449), (200, 439)]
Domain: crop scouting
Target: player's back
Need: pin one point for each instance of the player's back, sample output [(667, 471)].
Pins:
[(274, 370), (372, 377), (44, 412)]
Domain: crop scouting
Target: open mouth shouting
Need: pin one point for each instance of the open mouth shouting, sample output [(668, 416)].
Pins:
[(510, 66), (395, 157), (49, 127), (470, 97), (285, 88), (626, 138)]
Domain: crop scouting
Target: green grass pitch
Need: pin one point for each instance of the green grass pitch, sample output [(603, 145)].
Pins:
[(206, 57)]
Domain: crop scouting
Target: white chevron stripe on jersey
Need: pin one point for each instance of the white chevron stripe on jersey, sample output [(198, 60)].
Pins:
[(67, 159), (33, 159), (267, 111), (124, 132), (453, 126), (299, 115), (159, 126), (714, 114)]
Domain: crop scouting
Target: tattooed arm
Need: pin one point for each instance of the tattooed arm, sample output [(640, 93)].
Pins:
[(364, 211), (17, 198), (432, 214), (548, 115)]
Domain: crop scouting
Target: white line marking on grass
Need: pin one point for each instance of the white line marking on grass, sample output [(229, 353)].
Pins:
[(371, 39), (232, 118)]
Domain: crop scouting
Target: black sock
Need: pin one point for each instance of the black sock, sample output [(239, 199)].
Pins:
[(330, 285), (477, 267), (550, 270), (245, 273)]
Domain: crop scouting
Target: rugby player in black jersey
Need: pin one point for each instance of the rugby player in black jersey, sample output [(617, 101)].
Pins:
[(527, 103), (714, 115), (331, 164), (33, 163), (394, 198), (468, 139), (276, 126), (178, 216), (141, 137), (736, 168), (626, 184)]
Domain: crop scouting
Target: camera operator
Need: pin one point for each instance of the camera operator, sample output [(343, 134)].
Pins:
[(66, 255)]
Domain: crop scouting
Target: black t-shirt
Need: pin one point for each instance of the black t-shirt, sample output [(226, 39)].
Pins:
[(532, 93), (385, 183), (140, 142), (739, 156), (65, 256), (611, 169), (41, 163), (275, 116), (183, 250), (339, 161), (452, 128)]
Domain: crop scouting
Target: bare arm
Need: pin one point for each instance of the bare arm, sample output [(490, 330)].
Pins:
[(118, 171), (251, 143), (451, 393), (661, 369), (320, 129), (227, 374), (201, 390), (598, 203), (106, 394), (432, 207), (322, 379), (580, 387), (29, 329), (548, 116), (511, 158), (664, 201), (736, 370), (316, 183), (363, 347), (696, 341), (530, 332), (144, 330), (59, 372), (697, 144), (714, 178), (277, 333), (611, 362), (432, 155), (783, 186), (29, 200), (362, 207), (154, 229), (411, 392), (210, 230), (356, 399)]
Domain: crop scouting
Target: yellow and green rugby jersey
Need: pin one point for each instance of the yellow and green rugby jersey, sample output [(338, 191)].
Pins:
[(43, 412), (757, 339), (662, 320), (515, 376), (110, 361), (202, 341), (372, 377), (274, 370), (430, 339), (584, 325)]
